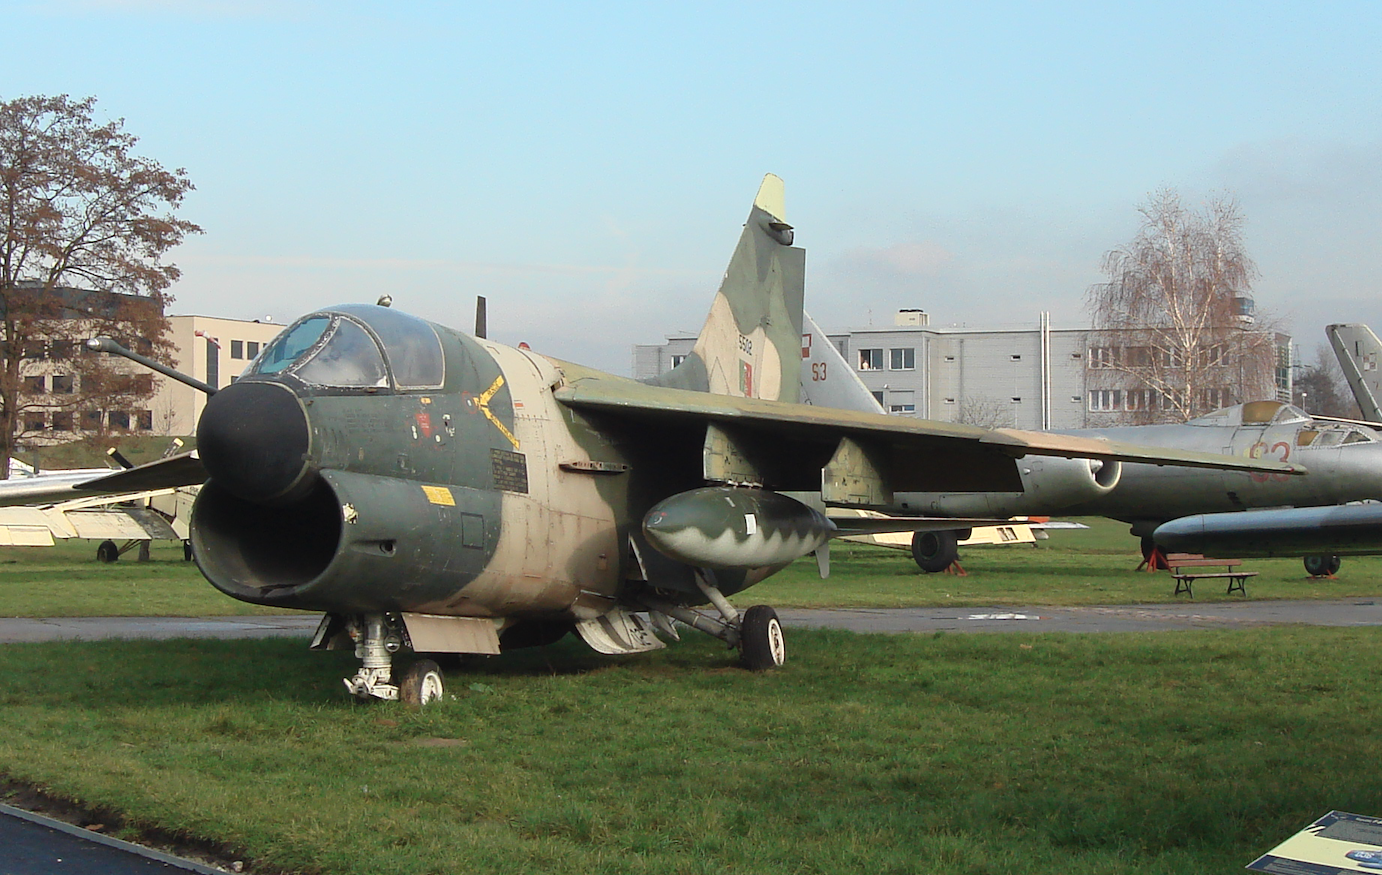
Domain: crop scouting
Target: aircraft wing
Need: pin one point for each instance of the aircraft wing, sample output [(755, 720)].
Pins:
[(184, 469), (790, 444)]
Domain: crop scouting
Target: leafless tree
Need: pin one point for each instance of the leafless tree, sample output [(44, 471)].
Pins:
[(985, 412), (1320, 388), (84, 226), (1175, 335)]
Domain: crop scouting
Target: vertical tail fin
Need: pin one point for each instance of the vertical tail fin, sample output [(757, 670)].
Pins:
[(1358, 349), (750, 345)]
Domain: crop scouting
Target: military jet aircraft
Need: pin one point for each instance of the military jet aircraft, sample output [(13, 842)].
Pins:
[(1344, 460), (432, 491), (1322, 533)]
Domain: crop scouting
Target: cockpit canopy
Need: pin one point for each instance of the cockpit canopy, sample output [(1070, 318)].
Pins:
[(1254, 413), (356, 346)]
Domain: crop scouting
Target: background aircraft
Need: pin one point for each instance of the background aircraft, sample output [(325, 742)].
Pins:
[(433, 491), (1344, 461), (1323, 532)]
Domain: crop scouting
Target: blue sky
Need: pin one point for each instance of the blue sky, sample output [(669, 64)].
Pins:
[(588, 166)]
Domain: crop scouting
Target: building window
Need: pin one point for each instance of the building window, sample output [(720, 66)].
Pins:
[(870, 359), (60, 349), (677, 360), (1015, 357), (237, 349), (1074, 399), (35, 385), (1076, 356), (1017, 399), (63, 384), (950, 358), (36, 421), (1105, 399), (91, 420), (1102, 357), (62, 420), (902, 359), (877, 396), (35, 349), (252, 348), (119, 419), (906, 409), (145, 418), (1142, 399), (950, 401)]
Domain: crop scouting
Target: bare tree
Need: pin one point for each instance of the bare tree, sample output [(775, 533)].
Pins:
[(1320, 388), (985, 412), (1175, 335), (84, 226)]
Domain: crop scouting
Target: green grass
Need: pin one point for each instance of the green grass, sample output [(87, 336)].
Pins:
[(65, 580), (1090, 567), (1188, 752), (1081, 567)]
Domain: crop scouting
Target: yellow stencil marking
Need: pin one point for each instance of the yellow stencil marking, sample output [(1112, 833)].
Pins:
[(439, 495), (483, 403)]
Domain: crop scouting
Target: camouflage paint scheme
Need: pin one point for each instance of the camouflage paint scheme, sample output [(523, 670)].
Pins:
[(514, 490)]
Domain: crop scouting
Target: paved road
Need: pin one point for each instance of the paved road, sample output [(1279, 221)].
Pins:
[(31, 844), (1110, 618)]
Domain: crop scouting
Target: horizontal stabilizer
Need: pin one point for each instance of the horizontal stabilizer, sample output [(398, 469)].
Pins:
[(882, 525)]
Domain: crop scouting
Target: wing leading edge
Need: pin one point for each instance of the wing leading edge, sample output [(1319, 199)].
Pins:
[(803, 447)]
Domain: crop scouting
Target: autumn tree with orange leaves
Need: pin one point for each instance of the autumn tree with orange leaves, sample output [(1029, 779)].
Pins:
[(85, 224)]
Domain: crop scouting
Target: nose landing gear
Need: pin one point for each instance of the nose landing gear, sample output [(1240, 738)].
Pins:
[(377, 639)]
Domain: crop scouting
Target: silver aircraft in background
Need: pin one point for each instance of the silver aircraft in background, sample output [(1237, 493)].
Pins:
[(1322, 533), (1344, 461)]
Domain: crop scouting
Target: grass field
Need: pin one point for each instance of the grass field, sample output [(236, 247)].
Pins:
[(1093, 566), (1188, 752)]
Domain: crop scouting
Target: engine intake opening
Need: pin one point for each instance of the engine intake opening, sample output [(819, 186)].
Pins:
[(255, 552), (1106, 474)]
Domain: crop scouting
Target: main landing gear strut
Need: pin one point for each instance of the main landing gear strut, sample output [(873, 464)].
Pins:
[(377, 639), (757, 632)]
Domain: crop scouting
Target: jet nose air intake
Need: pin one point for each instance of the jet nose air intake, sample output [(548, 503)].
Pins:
[(253, 439)]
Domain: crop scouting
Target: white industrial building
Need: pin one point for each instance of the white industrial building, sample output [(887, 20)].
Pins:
[(1033, 377)]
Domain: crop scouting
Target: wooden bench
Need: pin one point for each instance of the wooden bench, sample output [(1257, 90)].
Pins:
[(1178, 562)]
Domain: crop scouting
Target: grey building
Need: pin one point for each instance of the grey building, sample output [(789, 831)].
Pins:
[(1034, 377)]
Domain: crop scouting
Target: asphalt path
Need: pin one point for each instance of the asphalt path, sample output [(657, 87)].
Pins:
[(31, 844), (1095, 618)]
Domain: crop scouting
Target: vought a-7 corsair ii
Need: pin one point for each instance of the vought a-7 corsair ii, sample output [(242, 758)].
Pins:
[(435, 492)]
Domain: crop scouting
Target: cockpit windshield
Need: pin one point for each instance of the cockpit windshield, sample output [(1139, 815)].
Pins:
[(283, 350), (342, 348)]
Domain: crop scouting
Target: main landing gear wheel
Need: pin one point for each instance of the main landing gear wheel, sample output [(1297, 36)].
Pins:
[(421, 684), (761, 645), (106, 551), (934, 551), (1322, 566)]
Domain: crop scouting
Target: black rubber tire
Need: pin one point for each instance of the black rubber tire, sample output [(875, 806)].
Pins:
[(107, 551), (934, 551), (1319, 566), (421, 684), (761, 643)]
